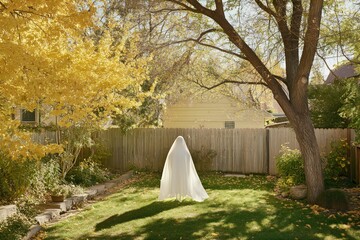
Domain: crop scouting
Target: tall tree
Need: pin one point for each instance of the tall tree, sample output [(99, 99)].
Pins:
[(49, 63), (295, 25)]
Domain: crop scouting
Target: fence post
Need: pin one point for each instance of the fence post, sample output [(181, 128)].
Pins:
[(267, 151)]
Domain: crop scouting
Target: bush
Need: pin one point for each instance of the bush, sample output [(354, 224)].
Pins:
[(88, 173), (337, 162), (15, 227), (290, 166), (15, 177), (100, 153), (203, 158), (45, 178), (333, 199)]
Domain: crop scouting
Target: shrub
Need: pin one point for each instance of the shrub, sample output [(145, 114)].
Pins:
[(333, 199), (15, 177), (88, 173), (61, 190), (203, 158), (337, 162), (100, 153), (45, 178), (15, 227), (290, 168)]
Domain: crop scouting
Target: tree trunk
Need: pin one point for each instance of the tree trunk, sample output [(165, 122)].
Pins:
[(306, 138), (293, 100)]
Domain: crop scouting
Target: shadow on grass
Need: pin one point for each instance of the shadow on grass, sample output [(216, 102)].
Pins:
[(234, 223), (143, 212), (252, 214)]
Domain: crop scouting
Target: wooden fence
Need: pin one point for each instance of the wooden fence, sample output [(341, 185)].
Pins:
[(238, 150)]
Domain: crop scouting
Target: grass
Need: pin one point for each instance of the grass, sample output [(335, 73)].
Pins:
[(238, 208)]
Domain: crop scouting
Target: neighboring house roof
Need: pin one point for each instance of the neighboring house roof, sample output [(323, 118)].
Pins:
[(279, 125), (344, 71)]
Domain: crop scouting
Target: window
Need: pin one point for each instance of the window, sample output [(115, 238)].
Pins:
[(229, 124), (28, 116)]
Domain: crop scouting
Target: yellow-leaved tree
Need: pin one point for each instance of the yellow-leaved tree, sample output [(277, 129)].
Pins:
[(49, 63)]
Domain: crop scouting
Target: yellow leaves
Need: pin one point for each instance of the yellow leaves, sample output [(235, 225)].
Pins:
[(47, 63), (316, 209), (19, 144)]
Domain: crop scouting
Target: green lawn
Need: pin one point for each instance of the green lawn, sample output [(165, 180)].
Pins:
[(238, 208)]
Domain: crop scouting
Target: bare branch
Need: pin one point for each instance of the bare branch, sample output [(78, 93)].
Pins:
[(200, 8), (265, 8), (340, 40), (199, 41), (3, 5), (186, 7), (168, 9), (327, 65), (224, 51), (19, 13), (227, 81), (296, 18), (219, 7), (311, 38)]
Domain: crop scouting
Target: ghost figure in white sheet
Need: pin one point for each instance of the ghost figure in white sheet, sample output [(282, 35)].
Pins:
[(179, 177)]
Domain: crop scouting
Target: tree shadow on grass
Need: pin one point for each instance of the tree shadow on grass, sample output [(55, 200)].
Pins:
[(230, 224), (143, 212)]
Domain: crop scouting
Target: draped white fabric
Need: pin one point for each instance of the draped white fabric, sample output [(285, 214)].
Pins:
[(179, 177)]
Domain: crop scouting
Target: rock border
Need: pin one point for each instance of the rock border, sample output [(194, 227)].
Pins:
[(52, 210)]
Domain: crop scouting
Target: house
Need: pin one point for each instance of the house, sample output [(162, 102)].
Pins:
[(35, 118), (212, 110), (344, 71)]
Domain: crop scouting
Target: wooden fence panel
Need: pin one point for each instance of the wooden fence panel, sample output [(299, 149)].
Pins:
[(281, 136), (238, 150)]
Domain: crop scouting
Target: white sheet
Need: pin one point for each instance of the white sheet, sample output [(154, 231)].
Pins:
[(179, 177)]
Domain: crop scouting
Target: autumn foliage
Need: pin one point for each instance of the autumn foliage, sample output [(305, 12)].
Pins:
[(51, 62)]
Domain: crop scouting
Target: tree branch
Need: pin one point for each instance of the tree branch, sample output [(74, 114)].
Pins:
[(200, 8), (199, 41), (219, 7), (265, 8), (186, 7), (3, 5), (311, 39), (227, 81), (168, 9), (296, 19), (340, 40), (249, 53)]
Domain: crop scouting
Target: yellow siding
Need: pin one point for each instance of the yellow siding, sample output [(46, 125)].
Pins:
[(197, 114)]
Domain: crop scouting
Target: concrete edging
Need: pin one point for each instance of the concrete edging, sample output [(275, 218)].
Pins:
[(54, 210)]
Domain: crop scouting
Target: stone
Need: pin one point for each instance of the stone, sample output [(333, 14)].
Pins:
[(298, 192), (68, 203), (285, 194), (110, 184), (235, 175), (7, 211), (34, 229), (98, 188), (79, 198), (54, 212), (43, 218), (91, 193)]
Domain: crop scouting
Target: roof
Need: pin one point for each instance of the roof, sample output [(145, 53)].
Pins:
[(344, 71), (279, 125)]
